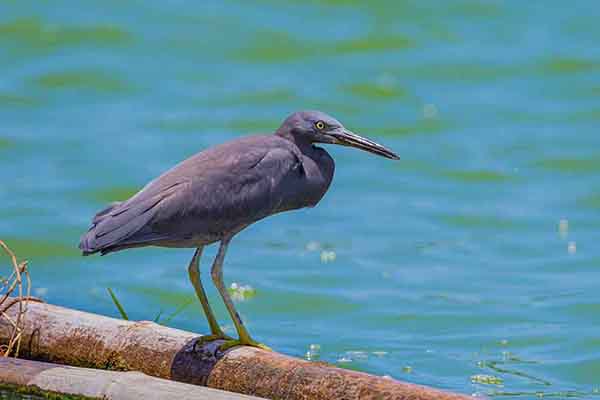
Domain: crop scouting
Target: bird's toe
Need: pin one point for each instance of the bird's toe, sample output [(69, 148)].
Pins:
[(237, 342), (210, 338)]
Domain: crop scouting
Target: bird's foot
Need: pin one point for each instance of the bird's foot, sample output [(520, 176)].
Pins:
[(238, 342), (209, 338)]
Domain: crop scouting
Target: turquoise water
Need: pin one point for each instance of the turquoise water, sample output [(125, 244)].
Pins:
[(472, 264)]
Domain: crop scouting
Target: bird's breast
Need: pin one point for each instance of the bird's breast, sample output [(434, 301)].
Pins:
[(307, 186)]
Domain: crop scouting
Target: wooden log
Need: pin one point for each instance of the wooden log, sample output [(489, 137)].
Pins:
[(111, 385), (71, 337)]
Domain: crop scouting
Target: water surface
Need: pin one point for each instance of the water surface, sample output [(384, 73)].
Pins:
[(471, 265)]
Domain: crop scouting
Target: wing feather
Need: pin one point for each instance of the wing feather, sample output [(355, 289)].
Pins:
[(119, 222), (210, 194)]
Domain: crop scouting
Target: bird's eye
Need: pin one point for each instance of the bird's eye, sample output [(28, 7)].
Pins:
[(320, 125)]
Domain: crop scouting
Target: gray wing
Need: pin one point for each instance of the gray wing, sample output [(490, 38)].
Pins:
[(210, 194)]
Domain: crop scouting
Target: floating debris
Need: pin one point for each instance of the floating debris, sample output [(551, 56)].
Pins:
[(358, 355), (379, 353), (563, 228), (241, 292), (430, 111), (327, 256), (504, 342), (487, 379), (540, 394), (572, 248), (313, 353), (313, 246), (407, 369), (386, 81)]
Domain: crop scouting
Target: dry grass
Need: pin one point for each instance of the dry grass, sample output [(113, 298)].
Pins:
[(14, 291)]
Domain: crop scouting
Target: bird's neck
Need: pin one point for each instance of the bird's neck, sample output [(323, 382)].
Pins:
[(301, 141)]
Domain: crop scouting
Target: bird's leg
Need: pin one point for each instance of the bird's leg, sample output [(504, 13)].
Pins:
[(194, 272), (217, 276)]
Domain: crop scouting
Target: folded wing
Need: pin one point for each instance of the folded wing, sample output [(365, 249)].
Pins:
[(211, 194)]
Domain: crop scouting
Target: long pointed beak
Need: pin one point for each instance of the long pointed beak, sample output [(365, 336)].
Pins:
[(346, 138)]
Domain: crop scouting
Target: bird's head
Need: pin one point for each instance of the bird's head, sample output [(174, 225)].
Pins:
[(318, 127)]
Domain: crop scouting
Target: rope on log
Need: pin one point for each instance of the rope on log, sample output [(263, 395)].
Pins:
[(56, 334)]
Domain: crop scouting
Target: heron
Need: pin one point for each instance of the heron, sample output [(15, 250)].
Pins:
[(216, 193)]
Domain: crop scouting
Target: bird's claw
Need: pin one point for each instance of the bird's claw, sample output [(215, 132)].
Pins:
[(209, 338), (238, 342)]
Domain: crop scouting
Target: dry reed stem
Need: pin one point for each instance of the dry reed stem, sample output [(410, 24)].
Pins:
[(18, 281)]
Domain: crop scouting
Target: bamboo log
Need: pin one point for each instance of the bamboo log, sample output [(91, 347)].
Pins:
[(109, 385), (71, 337)]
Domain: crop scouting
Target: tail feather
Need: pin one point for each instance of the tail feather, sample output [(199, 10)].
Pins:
[(127, 224), (99, 216), (113, 226), (86, 244)]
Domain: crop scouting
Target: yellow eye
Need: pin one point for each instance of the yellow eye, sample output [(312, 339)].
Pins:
[(320, 125)]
